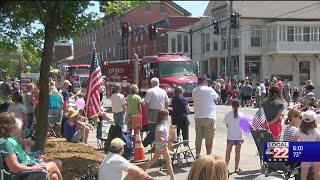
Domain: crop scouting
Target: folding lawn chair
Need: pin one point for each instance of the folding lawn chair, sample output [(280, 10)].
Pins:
[(260, 137), (54, 128)]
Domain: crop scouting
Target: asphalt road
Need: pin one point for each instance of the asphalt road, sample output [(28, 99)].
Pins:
[(249, 162)]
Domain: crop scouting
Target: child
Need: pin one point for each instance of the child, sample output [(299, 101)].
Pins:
[(19, 110), (161, 141), (293, 121), (235, 134), (308, 132), (295, 94)]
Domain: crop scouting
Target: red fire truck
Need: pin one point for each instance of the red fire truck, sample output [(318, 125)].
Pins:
[(171, 69), (78, 75)]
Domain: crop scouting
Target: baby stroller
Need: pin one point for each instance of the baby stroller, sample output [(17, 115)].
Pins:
[(260, 137)]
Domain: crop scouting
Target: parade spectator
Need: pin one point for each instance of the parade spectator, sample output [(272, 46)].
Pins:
[(293, 121), (6, 91), (295, 95), (209, 167), (55, 107), (102, 90), (263, 90), (246, 93), (65, 93), (267, 84), (114, 165), (308, 132), (118, 105), (30, 103), (156, 99), (235, 135), (257, 97), (180, 110), (8, 128), (161, 143), (19, 110), (134, 105), (205, 114), (273, 108), (287, 92), (74, 129), (223, 92), (279, 84)]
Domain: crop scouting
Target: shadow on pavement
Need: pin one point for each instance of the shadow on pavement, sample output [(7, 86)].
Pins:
[(251, 174)]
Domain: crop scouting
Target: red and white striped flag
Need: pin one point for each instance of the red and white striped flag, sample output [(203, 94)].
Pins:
[(258, 119), (94, 83)]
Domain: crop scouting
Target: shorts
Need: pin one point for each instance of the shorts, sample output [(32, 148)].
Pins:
[(159, 146), (153, 115), (235, 142), (276, 129), (246, 98), (309, 164), (77, 136), (205, 128)]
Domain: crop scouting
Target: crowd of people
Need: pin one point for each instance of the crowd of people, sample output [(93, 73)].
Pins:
[(274, 96)]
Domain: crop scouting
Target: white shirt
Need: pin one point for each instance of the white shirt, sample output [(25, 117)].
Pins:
[(263, 88), (117, 100), (234, 131), (18, 109), (113, 167), (203, 102), (310, 137), (156, 97)]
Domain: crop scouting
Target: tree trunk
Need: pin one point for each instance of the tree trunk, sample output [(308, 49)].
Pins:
[(43, 107)]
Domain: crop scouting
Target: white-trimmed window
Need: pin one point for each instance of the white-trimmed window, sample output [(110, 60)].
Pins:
[(314, 34), (162, 8), (290, 33), (179, 39), (208, 42), (282, 33), (224, 39), (274, 34), (297, 33), (203, 41), (215, 46), (147, 8), (306, 34), (185, 43), (255, 36), (173, 45), (220, 14)]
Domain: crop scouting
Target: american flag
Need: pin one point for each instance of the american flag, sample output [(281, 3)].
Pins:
[(94, 84), (258, 119)]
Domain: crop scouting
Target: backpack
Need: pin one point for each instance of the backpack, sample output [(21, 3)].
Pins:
[(115, 131)]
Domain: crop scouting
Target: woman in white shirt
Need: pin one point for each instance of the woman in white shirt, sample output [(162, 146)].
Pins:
[(235, 134)]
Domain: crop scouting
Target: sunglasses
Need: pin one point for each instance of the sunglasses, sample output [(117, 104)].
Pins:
[(298, 116)]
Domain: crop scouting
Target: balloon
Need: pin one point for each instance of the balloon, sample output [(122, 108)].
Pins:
[(245, 123), (80, 103), (285, 105)]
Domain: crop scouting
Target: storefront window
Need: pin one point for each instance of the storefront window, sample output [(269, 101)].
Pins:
[(304, 70), (252, 68)]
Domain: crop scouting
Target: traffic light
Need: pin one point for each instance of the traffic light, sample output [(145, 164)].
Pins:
[(152, 32), (234, 21), (125, 30), (216, 27)]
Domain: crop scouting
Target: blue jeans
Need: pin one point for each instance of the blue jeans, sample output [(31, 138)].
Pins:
[(119, 119), (30, 118)]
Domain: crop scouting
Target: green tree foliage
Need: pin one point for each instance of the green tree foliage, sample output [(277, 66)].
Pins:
[(60, 19)]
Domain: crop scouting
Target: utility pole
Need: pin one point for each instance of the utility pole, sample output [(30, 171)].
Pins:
[(229, 62)]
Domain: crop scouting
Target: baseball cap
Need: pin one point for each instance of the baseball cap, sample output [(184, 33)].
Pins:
[(309, 116), (116, 86), (67, 82), (117, 144), (203, 78)]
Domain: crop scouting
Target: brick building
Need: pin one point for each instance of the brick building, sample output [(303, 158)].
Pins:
[(61, 51), (107, 36)]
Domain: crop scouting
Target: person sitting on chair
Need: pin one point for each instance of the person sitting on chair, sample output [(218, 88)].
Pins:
[(74, 129)]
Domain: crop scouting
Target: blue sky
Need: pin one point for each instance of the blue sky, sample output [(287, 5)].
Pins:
[(196, 8)]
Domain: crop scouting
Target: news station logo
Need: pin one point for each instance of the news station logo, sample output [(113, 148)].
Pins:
[(277, 151)]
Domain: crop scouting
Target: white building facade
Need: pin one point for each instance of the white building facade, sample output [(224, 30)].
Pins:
[(275, 38)]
